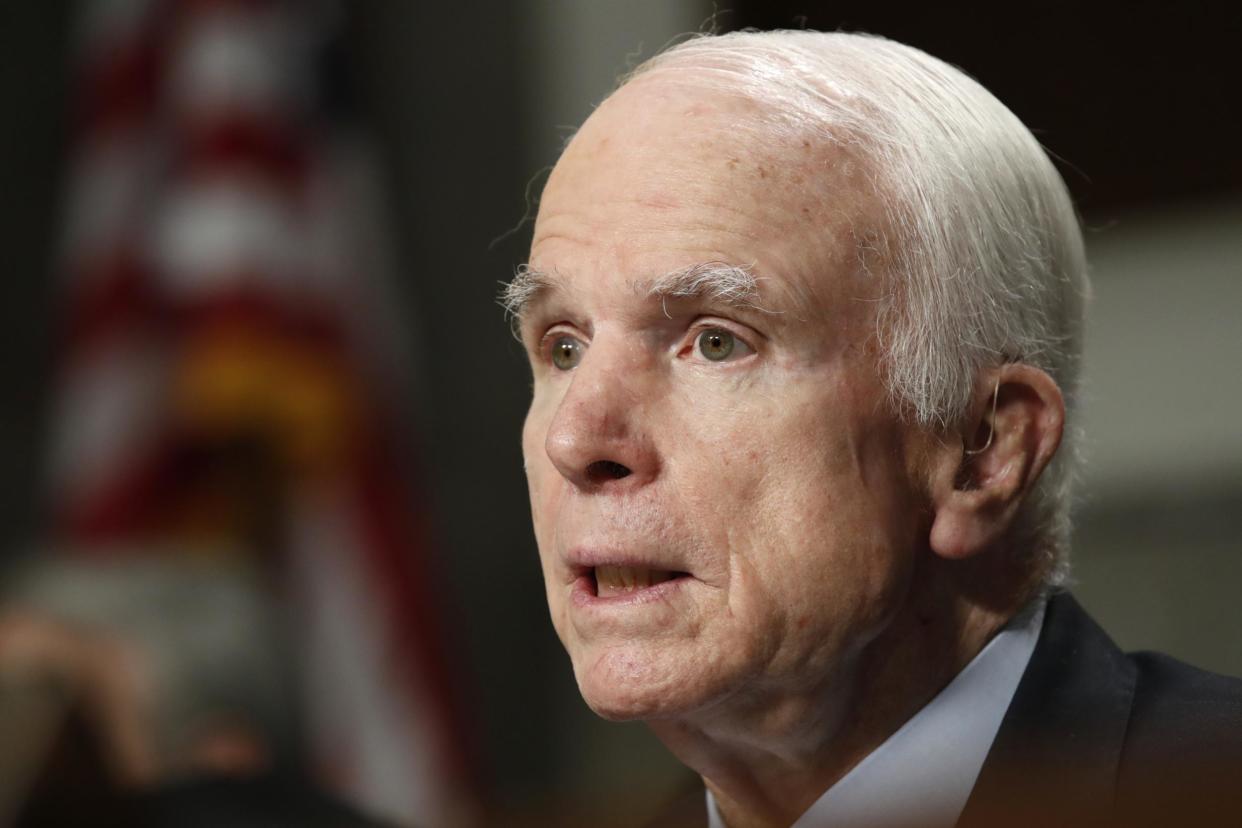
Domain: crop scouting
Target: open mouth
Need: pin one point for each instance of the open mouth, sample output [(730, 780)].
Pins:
[(613, 581)]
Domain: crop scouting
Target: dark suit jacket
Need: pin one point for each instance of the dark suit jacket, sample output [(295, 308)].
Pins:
[(1098, 737)]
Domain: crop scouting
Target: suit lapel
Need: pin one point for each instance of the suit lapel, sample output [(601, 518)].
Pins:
[(1056, 755)]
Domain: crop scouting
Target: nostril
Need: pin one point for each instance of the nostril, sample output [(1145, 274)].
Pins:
[(603, 470)]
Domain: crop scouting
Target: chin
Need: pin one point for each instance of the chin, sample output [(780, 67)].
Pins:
[(623, 704), (622, 685)]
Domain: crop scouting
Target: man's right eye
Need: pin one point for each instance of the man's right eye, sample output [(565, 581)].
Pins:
[(566, 352)]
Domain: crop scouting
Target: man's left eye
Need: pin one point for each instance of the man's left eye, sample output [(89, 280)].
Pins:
[(718, 345)]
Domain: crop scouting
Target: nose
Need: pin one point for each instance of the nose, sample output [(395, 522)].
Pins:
[(599, 438)]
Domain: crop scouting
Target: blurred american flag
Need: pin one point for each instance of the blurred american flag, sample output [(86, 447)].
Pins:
[(230, 375)]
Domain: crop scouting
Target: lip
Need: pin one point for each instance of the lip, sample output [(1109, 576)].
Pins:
[(583, 593), (582, 560)]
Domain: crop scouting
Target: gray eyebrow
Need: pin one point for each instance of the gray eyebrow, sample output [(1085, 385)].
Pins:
[(714, 281), (518, 295), (728, 284)]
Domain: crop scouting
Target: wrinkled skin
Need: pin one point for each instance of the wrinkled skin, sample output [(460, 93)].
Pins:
[(778, 479)]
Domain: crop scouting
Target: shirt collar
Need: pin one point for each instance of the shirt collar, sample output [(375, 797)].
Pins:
[(929, 766)]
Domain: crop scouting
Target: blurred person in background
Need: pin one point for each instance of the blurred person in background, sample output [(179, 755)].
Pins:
[(805, 314), (156, 692)]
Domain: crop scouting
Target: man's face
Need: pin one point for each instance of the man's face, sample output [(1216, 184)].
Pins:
[(743, 461)]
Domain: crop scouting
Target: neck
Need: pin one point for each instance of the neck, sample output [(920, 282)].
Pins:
[(767, 757)]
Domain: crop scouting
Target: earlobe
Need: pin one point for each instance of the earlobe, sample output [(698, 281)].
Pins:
[(986, 470)]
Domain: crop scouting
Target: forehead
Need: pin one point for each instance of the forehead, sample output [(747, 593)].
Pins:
[(664, 176)]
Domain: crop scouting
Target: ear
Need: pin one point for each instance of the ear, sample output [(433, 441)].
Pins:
[(983, 473)]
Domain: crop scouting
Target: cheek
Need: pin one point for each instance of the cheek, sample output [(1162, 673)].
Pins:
[(808, 504), (763, 472), (542, 482), (535, 431), (541, 475)]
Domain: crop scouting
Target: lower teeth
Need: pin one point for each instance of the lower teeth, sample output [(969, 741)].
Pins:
[(615, 579)]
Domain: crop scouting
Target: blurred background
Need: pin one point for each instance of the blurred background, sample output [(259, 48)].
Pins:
[(262, 513)]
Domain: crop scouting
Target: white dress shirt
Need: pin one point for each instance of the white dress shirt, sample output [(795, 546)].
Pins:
[(927, 769)]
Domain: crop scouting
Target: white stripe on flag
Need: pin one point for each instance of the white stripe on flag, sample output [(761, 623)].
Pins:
[(230, 225), (105, 196), (111, 402), (240, 59), (360, 707)]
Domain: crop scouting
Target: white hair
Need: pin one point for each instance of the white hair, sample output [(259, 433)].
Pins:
[(983, 249)]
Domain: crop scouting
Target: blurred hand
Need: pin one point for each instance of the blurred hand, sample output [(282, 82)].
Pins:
[(102, 674)]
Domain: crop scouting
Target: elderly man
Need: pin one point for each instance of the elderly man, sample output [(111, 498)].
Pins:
[(805, 315)]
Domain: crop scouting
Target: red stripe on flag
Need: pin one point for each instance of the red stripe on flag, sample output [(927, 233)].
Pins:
[(397, 533), (112, 294), (266, 145)]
